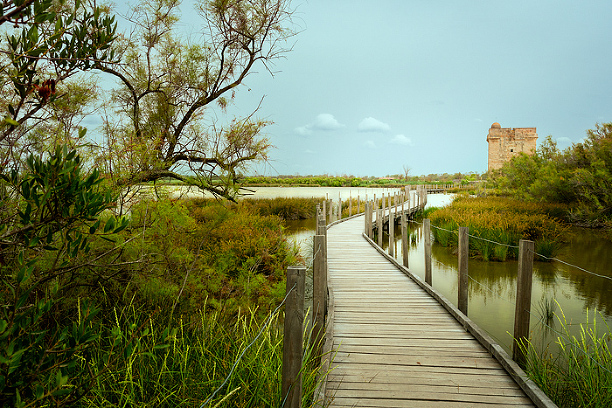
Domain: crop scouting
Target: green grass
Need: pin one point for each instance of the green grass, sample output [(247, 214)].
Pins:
[(140, 361), (497, 225), (580, 375)]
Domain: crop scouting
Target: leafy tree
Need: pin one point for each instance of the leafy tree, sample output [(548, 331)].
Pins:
[(168, 85), (46, 43), (159, 127)]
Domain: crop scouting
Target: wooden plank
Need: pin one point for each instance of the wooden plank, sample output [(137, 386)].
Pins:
[(500, 381), (415, 389), (435, 400)]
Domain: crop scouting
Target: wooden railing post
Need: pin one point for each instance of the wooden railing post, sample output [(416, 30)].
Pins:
[(291, 386), (391, 229), (427, 236), (404, 240), (462, 303), (371, 218), (379, 226), (319, 288), (523, 299), (324, 211)]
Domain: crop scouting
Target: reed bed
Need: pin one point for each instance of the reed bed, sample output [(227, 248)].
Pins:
[(499, 221), (580, 375), (140, 361)]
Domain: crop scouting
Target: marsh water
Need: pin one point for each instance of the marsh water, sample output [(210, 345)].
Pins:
[(573, 290)]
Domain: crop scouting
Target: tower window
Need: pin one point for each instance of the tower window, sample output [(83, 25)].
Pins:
[(511, 150)]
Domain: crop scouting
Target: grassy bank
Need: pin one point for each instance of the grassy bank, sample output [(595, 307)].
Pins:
[(499, 220)]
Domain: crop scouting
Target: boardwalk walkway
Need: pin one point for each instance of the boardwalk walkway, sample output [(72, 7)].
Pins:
[(396, 345)]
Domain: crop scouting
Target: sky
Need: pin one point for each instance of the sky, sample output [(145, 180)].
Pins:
[(373, 87)]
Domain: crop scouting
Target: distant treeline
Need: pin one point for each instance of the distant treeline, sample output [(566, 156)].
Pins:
[(352, 181)]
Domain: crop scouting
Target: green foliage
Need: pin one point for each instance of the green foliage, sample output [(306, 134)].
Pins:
[(580, 176), (497, 220), (47, 43), (177, 254), (52, 208), (581, 374), (286, 208)]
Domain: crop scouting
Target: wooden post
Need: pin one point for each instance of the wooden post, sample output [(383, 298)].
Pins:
[(427, 235), (339, 207), (358, 205), (331, 205), (391, 230), (365, 228), (319, 289), (379, 225), (404, 240), (371, 216), (291, 386), (350, 206), (324, 211), (523, 299), (462, 303), (321, 227)]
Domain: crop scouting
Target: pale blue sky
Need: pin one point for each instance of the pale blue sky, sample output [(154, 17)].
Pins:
[(371, 86)]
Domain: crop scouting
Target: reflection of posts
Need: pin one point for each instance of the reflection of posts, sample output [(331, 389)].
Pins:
[(291, 386), (523, 300), (404, 240)]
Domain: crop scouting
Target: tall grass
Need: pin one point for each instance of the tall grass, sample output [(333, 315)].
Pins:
[(182, 364), (498, 221), (580, 375)]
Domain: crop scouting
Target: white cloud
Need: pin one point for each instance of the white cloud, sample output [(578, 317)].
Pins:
[(370, 124), (401, 140), (324, 122), (370, 144)]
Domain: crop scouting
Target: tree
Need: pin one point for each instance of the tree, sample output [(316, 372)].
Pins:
[(158, 128), (47, 42), (407, 170)]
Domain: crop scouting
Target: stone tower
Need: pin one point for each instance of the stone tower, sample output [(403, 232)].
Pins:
[(505, 143)]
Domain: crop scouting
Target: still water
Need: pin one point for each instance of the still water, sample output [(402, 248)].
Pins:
[(574, 293)]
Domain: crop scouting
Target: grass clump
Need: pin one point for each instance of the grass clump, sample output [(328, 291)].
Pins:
[(580, 375), (501, 223), (184, 363)]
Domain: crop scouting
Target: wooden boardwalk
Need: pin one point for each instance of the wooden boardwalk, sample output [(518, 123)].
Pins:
[(396, 345)]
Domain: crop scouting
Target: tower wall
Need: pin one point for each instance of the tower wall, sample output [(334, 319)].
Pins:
[(506, 143)]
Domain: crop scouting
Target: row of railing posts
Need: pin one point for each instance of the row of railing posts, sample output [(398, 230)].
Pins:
[(523, 289), (525, 266)]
